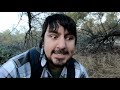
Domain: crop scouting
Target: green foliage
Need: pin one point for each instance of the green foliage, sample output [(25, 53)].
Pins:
[(77, 15), (7, 52), (10, 45), (32, 39)]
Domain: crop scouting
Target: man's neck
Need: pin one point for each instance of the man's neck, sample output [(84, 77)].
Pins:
[(55, 71)]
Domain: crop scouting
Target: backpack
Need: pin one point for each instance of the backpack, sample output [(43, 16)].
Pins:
[(36, 68)]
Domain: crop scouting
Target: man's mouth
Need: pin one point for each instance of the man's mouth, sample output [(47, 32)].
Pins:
[(60, 56), (60, 52)]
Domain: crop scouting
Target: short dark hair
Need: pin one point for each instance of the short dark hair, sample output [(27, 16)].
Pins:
[(62, 19)]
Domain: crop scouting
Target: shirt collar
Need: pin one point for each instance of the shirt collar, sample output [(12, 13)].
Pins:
[(43, 61)]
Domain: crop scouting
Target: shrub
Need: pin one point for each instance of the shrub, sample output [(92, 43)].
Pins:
[(6, 52)]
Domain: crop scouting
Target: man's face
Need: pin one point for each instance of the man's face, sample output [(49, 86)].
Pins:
[(59, 45)]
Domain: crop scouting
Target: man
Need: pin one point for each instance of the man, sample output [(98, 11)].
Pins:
[(53, 57)]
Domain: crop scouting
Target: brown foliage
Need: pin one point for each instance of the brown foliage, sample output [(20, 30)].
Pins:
[(101, 65)]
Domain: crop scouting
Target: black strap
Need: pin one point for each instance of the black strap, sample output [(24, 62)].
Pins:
[(36, 68), (71, 69)]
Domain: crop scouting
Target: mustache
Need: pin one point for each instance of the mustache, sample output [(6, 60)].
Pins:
[(60, 51)]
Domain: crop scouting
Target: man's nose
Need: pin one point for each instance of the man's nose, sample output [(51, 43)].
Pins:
[(61, 43)]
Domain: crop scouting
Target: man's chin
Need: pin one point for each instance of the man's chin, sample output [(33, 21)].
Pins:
[(58, 63)]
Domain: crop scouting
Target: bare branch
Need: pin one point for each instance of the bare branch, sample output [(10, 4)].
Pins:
[(17, 23)]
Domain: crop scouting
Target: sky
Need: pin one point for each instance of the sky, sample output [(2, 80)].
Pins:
[(9, 20)]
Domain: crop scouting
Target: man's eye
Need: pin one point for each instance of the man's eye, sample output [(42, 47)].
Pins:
[(53, 36), (70, 38)]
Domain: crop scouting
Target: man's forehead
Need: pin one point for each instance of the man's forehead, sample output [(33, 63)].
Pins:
[(58, 30)]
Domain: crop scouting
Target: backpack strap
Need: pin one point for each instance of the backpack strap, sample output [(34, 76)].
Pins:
[(71, 69), (34, 59)]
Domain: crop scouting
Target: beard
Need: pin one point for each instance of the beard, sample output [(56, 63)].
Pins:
[(60, 51), (58, 62), (55, 65)]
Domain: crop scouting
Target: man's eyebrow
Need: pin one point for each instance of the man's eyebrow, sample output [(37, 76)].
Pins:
[(69, 34), (52, 31)]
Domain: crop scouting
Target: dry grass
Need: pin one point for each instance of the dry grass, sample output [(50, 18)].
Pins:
[(101, 65)]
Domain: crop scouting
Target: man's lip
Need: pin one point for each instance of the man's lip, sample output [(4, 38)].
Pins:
[(60, 56)]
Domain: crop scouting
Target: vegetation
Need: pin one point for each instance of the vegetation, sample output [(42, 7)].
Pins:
[(98, 47)]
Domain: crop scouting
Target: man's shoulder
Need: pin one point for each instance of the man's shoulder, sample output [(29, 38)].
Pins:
[(19, 59), (77, 64), (16, 66), (21, 55), (80, 70)]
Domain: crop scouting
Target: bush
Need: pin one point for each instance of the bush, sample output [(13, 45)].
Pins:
[(6, 52)]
